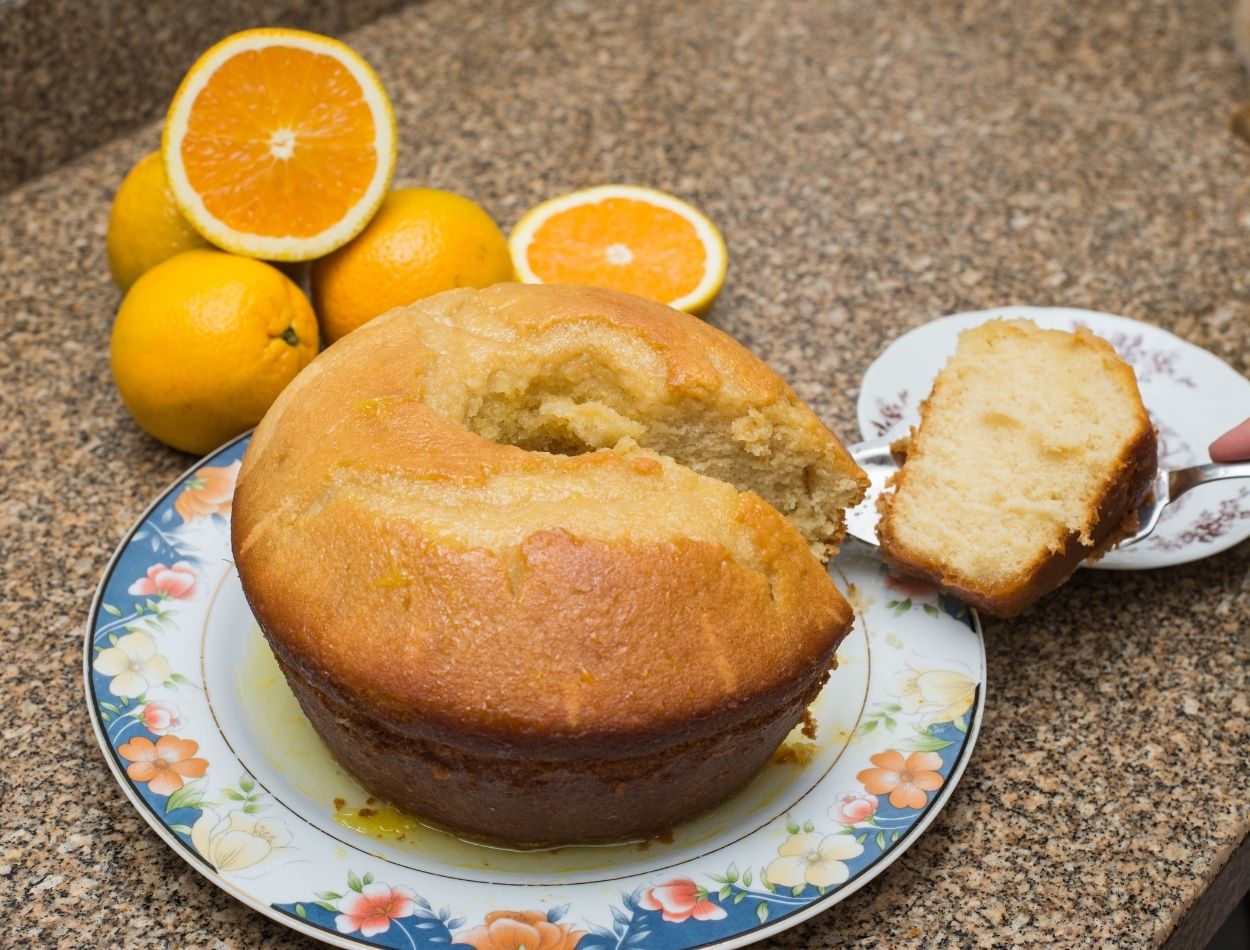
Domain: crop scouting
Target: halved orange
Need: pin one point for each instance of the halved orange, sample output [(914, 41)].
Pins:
[(279, 144), (624, 237)]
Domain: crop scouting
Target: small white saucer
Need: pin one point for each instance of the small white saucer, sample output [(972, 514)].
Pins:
[(1192, 396)]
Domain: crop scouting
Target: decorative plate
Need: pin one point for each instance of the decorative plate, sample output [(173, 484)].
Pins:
[(207, 742), (1193, 396)]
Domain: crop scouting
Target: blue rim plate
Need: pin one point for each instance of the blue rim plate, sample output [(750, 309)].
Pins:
[(206, 741)]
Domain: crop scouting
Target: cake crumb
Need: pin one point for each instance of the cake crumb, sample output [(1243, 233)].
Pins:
[(809, 725), (859, 601), (340, 804), (366, 812), (795, 753), (665, 837)]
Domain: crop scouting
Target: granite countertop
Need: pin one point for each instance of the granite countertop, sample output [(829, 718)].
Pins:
[(873, 166)]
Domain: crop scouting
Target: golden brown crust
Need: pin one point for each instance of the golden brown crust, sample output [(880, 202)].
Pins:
[(593, 641), (604, 632), (1117, 508), (534, 801)]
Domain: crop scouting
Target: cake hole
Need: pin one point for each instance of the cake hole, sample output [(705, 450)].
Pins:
[(581, 405)]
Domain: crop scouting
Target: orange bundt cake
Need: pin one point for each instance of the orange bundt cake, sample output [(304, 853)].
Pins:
[(544, 564)]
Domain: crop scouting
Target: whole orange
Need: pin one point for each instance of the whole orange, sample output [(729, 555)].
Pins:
[(421, 242), (145, 225), (204, 343)]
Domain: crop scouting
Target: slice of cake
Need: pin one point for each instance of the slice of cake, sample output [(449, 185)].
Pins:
[(1033, 453)]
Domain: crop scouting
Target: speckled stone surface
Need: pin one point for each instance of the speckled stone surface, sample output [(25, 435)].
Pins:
[(76, 73), (873, 166)]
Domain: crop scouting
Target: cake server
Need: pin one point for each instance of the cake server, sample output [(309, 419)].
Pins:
[(878, 463)]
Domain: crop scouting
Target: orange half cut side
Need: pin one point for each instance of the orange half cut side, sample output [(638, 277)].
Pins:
[(628, 238), (279, 144)]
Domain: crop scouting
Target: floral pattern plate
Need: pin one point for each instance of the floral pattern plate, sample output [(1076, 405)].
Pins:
[(1192, 396), (205, 739)]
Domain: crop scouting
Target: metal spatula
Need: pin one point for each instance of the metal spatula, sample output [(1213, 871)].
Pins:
[(878, 463)]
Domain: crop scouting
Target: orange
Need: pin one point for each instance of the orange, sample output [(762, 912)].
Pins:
[(628, 238), (203, 344), (145, 225), (421, 242), (279, 144)]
